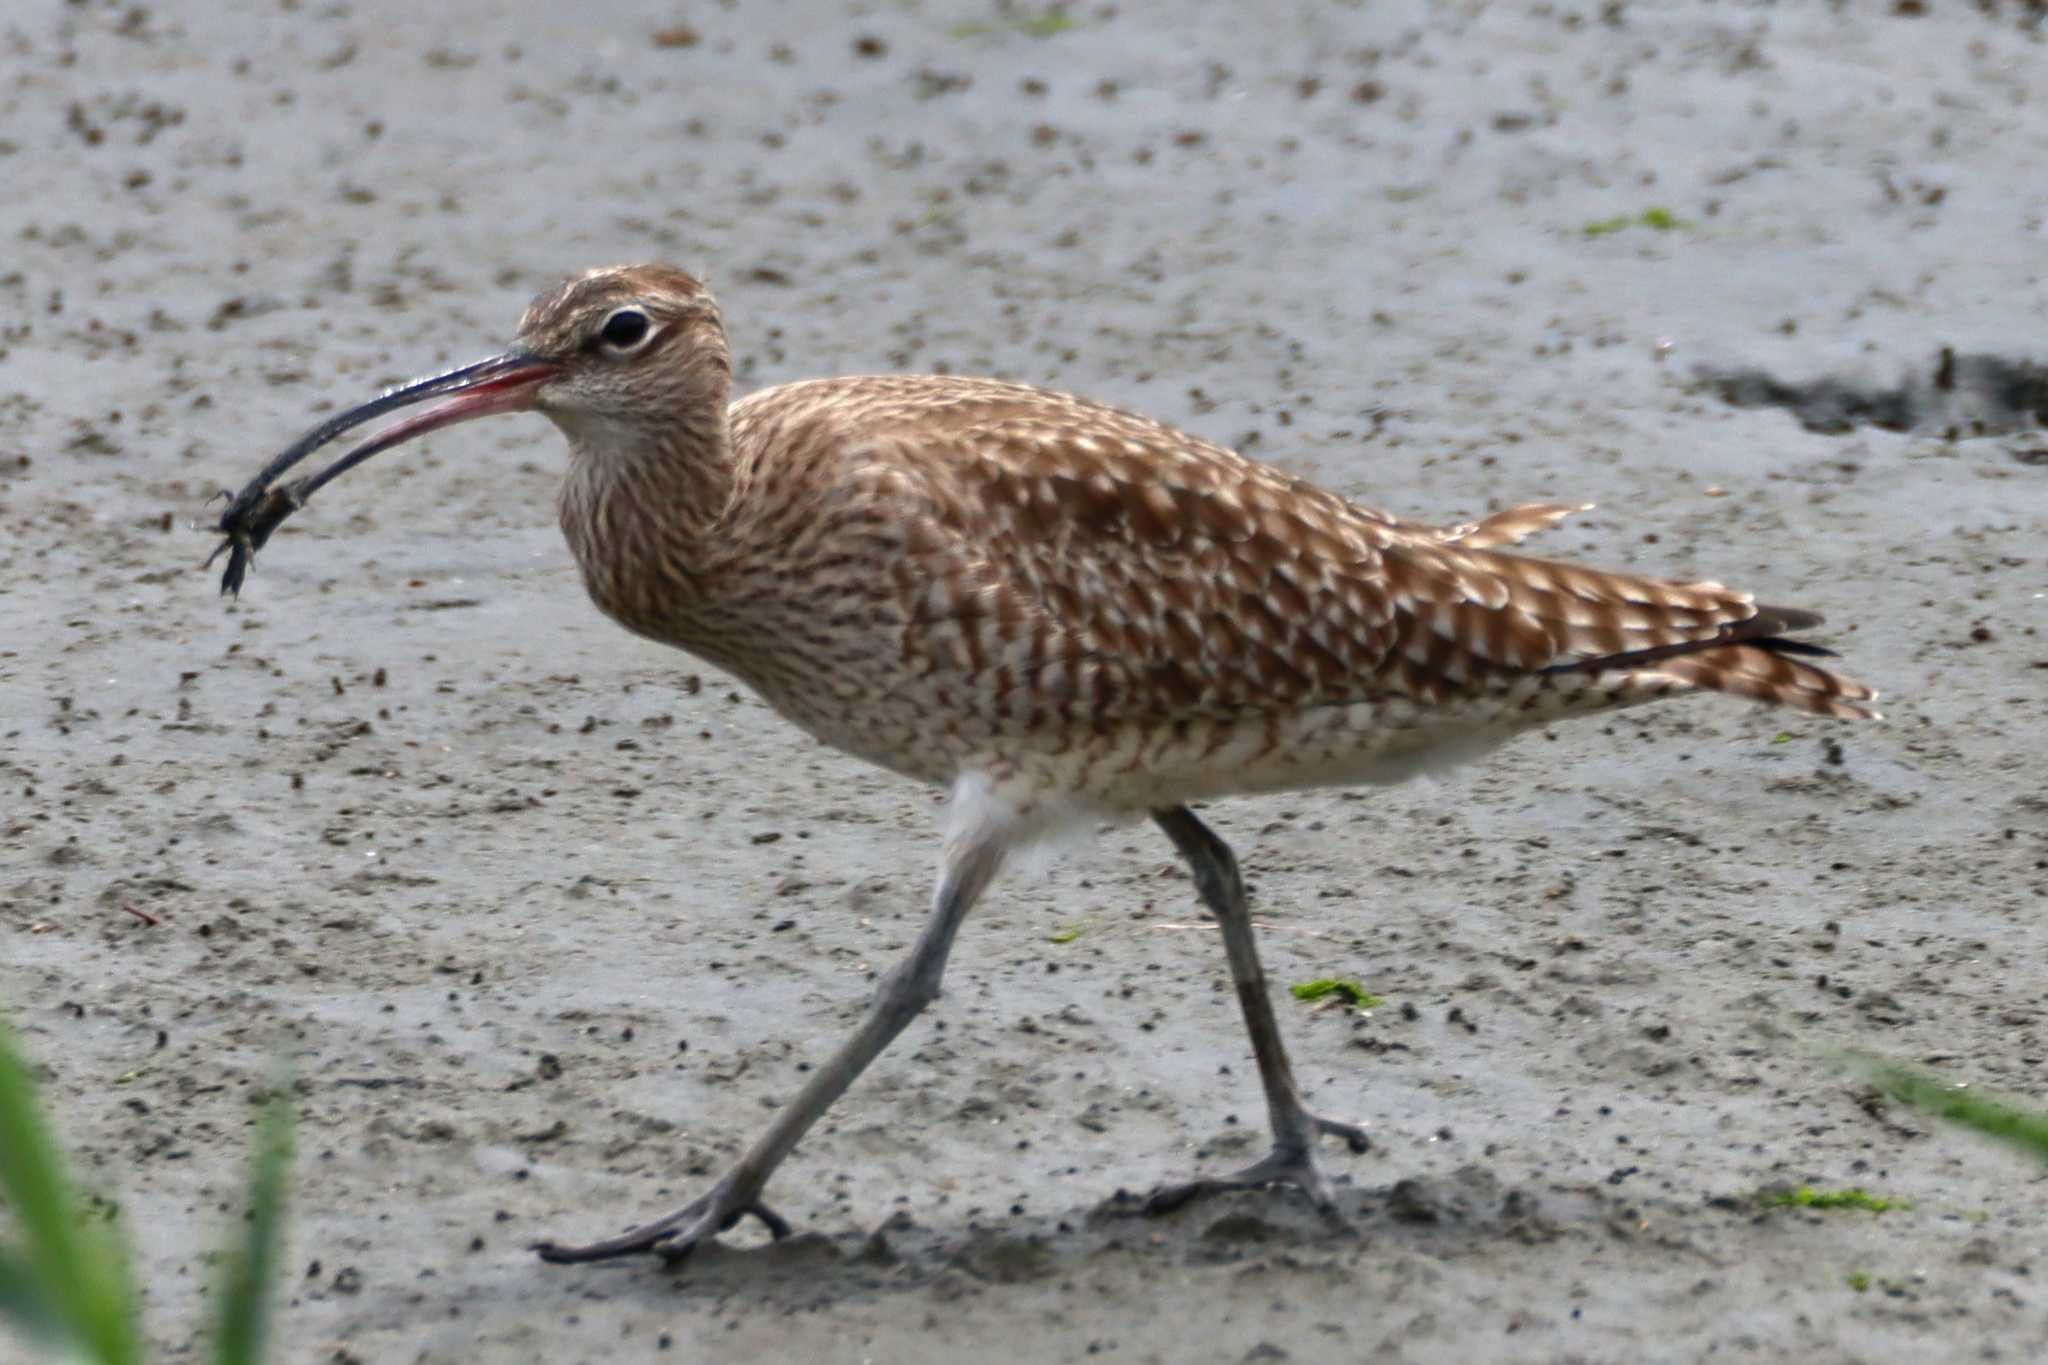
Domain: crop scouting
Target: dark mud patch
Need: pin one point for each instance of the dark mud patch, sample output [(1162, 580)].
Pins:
[(1958, 396), (1449, 1217)]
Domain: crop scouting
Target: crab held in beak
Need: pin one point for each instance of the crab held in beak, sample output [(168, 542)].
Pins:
[(503, 383)]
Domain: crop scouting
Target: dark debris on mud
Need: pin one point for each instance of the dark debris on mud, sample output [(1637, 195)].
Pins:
[(1957, 397)]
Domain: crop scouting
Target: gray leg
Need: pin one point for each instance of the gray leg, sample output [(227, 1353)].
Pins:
[(972, 859), (1292, 1159)]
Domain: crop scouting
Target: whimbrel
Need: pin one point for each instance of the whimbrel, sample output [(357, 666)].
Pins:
[(1057, 609)]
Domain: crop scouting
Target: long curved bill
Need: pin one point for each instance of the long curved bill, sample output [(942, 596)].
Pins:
[(503, 383)]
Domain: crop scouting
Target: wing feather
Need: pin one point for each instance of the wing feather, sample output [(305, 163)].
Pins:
[(1108, 559)]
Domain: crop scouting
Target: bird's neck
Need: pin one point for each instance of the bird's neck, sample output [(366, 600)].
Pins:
[(642, 512)]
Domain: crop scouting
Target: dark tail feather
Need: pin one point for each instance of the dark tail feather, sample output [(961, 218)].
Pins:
[(1765, 630), (1749, 658)]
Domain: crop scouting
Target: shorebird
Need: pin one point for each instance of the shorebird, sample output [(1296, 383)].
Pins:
[(1059, 610)]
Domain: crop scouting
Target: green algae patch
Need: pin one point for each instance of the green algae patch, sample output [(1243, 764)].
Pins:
[(1350, 992), (1655, 219), (1047, 25), (1806, 1197)]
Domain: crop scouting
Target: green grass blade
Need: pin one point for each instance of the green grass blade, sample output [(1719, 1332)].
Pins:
[(26, 1304), (2001, 1119), (251, 1281), (71, 1275)]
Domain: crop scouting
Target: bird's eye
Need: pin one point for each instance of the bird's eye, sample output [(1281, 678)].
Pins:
[(625, 329)]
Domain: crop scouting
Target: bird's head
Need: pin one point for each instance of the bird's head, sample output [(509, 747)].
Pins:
[(624, 350), (638, 347), (621, 359)]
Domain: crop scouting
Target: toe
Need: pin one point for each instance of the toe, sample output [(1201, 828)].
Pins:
[(1354, 1135)]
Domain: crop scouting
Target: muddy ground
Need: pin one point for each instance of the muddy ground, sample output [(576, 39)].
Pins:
[(548, 919)]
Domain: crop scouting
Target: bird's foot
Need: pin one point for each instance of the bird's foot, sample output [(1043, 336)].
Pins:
[(1286, 1163), (675, 1235)]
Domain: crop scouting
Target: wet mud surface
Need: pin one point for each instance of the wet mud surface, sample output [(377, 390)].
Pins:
[(1957, 396), (548, 920)]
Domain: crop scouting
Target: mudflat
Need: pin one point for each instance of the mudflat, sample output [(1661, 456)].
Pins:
[(547, 919)]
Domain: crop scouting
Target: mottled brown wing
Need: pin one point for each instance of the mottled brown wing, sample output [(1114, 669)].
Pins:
[(1056, 548)]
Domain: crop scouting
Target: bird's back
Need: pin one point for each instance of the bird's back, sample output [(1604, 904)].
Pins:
[(1028, 573)]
